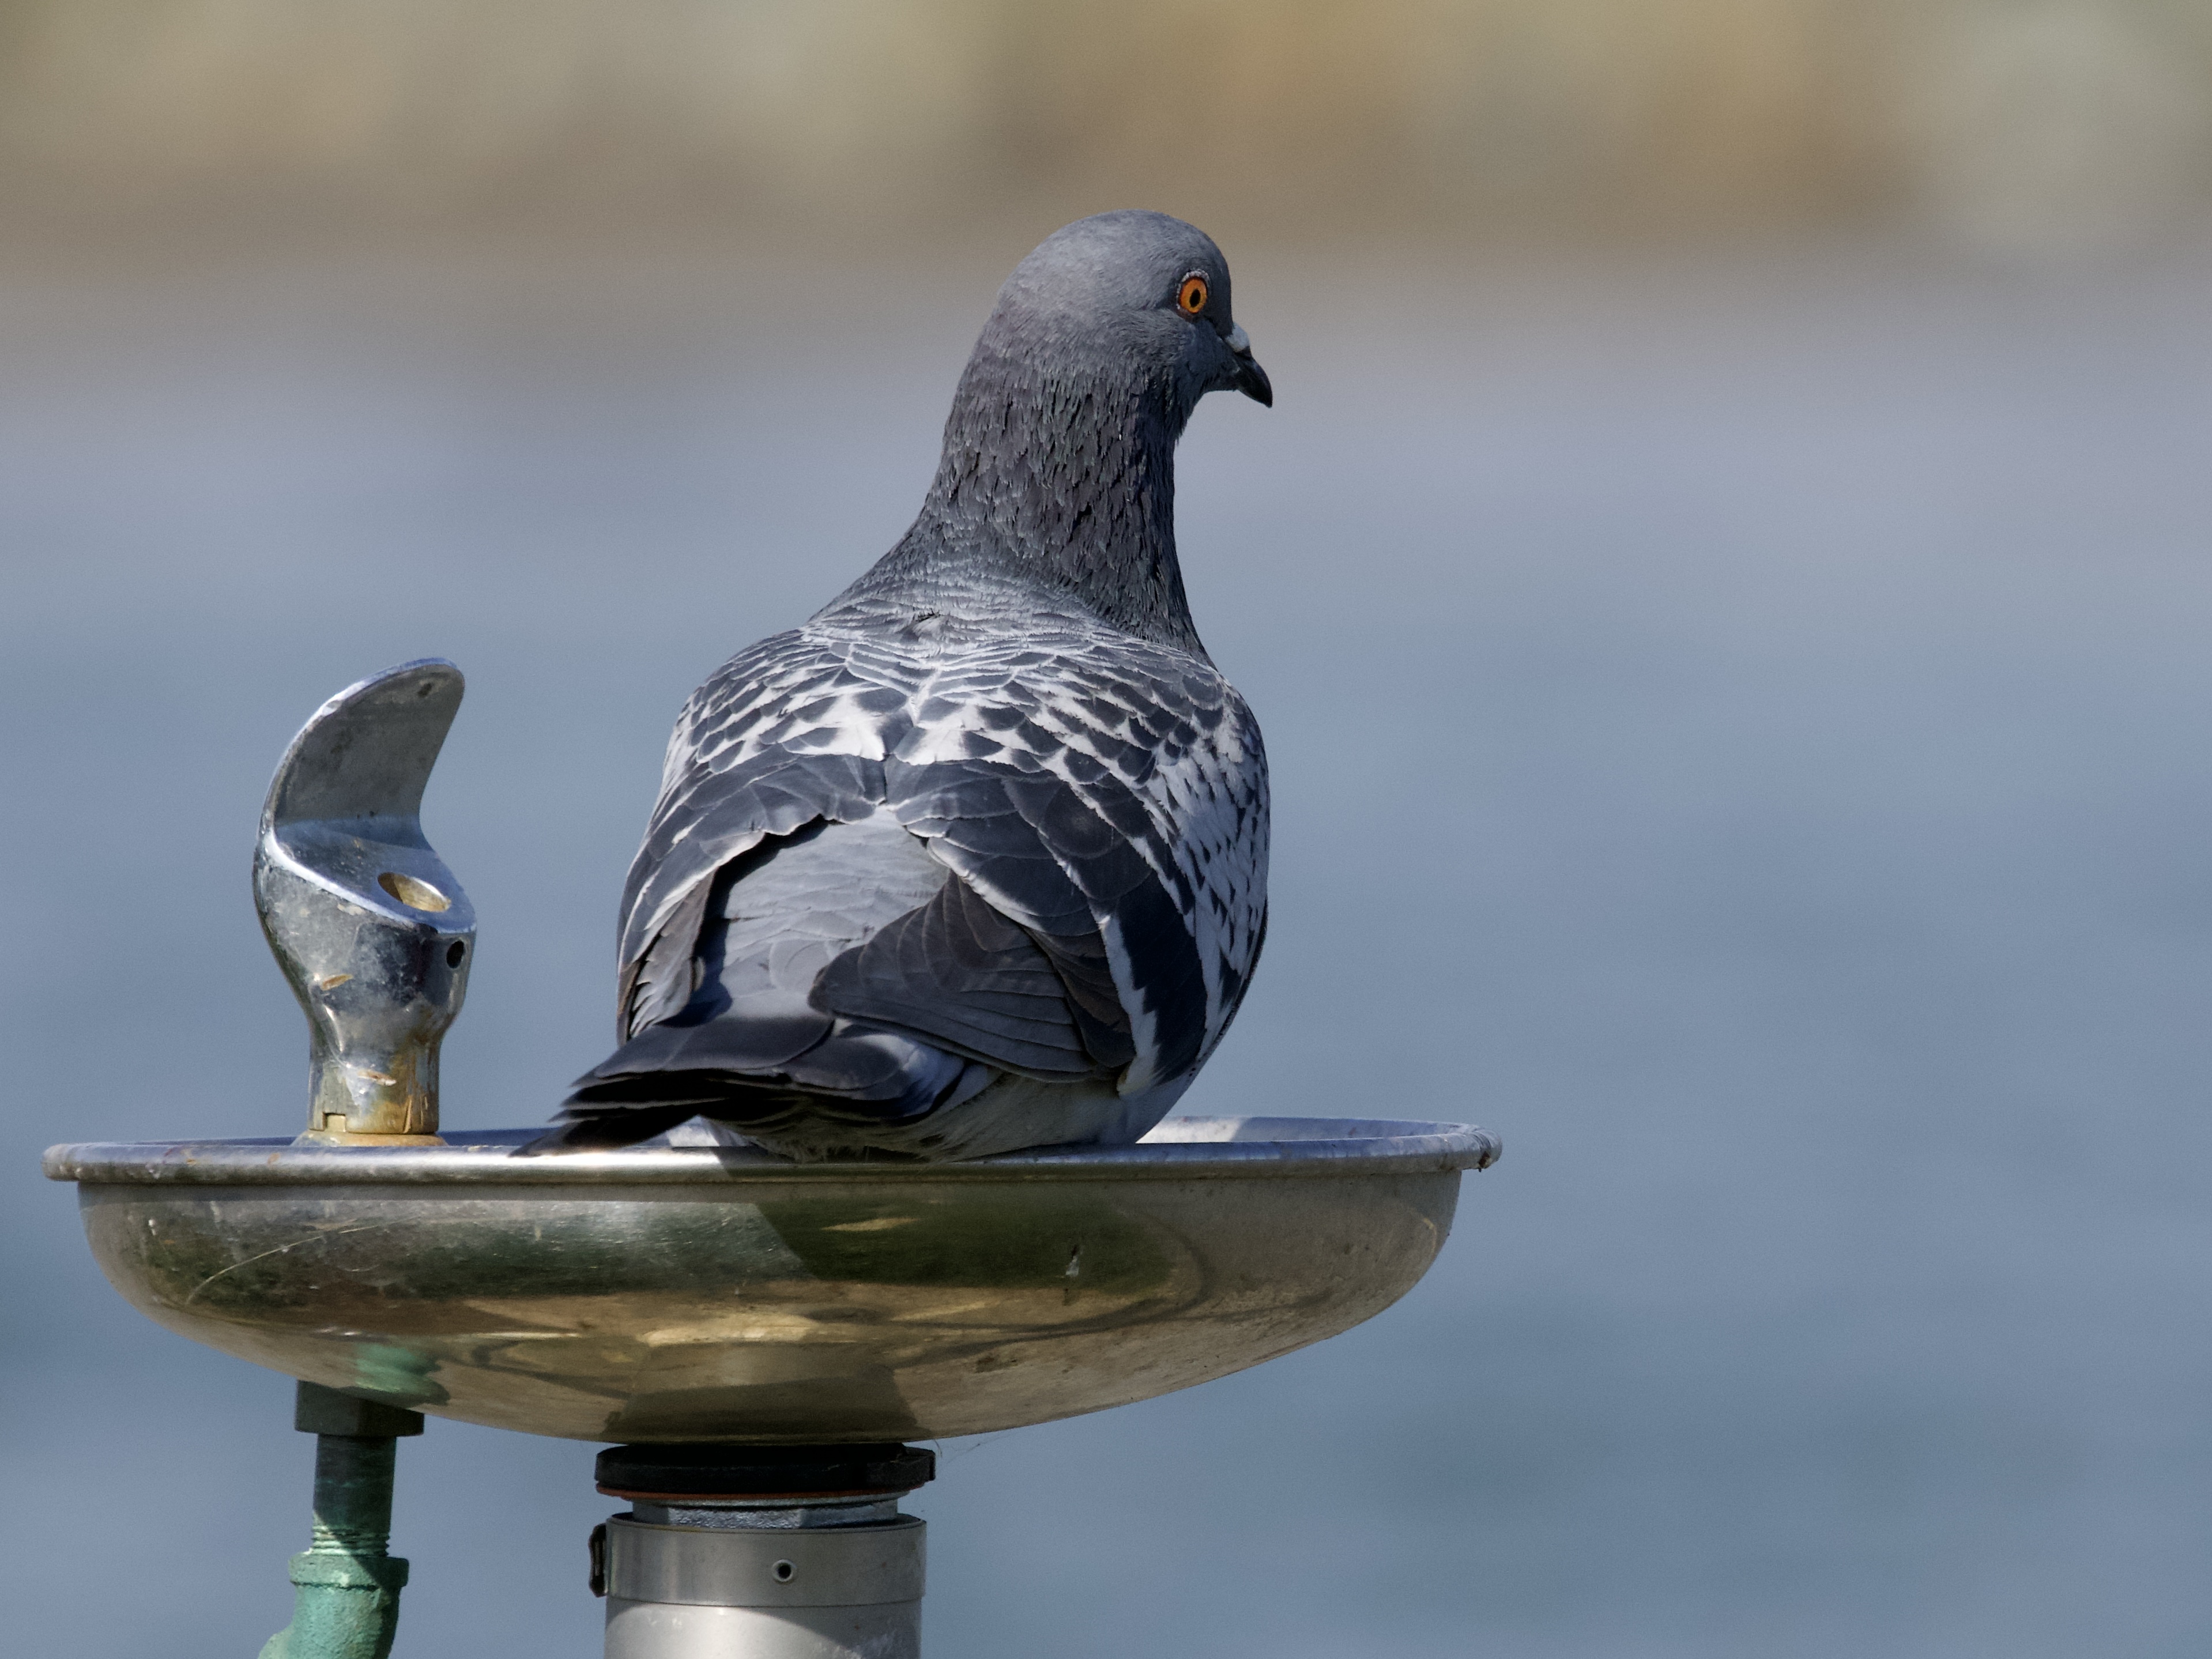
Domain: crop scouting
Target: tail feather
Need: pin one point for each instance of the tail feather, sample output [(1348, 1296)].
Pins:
[(604, 1132), (857, 1074)]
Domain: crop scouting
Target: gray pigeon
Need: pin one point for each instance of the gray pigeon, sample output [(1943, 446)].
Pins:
[(976, 860)]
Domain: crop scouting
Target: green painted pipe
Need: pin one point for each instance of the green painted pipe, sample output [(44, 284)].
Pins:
[(345, 1599)]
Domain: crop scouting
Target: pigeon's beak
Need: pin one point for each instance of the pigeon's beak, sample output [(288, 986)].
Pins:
[(1251, 379)]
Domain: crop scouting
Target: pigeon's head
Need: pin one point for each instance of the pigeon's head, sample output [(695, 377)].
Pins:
[(1058, 473), (1132, 296)]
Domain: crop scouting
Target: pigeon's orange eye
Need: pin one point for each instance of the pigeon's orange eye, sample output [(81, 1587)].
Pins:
[(1193, 295)]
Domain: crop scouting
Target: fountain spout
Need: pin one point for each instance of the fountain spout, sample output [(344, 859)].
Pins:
[(369, 925)]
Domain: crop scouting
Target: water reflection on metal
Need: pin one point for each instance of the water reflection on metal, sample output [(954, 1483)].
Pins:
[(684, 1294)]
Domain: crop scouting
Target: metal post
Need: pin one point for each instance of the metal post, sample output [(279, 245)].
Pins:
[(346, 1593), (762, 1551)]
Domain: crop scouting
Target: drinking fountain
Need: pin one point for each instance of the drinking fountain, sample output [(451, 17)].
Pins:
[(758, 1342)]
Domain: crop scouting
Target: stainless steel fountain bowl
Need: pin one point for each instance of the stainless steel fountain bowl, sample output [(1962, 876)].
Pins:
[(718, 1293)]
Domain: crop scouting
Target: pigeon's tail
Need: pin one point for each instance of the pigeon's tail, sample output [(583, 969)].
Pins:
[(590, 1130), (856, 1075)]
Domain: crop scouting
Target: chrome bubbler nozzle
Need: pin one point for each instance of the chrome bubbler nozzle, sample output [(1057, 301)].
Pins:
[(369, 925)]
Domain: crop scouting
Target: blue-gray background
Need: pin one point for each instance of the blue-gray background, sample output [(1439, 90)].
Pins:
[(1739, 728)]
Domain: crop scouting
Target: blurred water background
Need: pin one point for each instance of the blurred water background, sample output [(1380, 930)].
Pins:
[(1725, 585)]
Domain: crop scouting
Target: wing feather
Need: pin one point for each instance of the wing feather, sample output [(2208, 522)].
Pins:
[(955, 971), (1105, 797)]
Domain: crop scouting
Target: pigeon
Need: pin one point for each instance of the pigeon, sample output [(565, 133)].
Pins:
[(976, 860)]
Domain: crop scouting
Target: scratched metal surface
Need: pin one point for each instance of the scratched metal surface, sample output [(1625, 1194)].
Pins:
[(684, 1294)]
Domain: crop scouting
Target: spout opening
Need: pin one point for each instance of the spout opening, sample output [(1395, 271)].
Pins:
[(414, 895)]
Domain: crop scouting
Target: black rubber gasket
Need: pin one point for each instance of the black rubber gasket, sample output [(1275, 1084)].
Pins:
[(715, 1469)]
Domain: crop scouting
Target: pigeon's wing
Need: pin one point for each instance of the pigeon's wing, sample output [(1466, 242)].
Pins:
[(752, 1036), (787, 732), (1110, 797), (1107, 797), (957, 971)]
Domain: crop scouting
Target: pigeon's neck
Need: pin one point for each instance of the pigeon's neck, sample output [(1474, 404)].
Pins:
[(1056, 486)]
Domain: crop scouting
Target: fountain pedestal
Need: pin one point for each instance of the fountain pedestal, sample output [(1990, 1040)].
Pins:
[(784, 1552)]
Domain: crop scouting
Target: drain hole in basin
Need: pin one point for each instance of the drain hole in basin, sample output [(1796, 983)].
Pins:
[(783, 1572), (414, 895)]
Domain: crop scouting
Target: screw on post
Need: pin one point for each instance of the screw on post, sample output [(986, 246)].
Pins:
[(345, 1597)]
